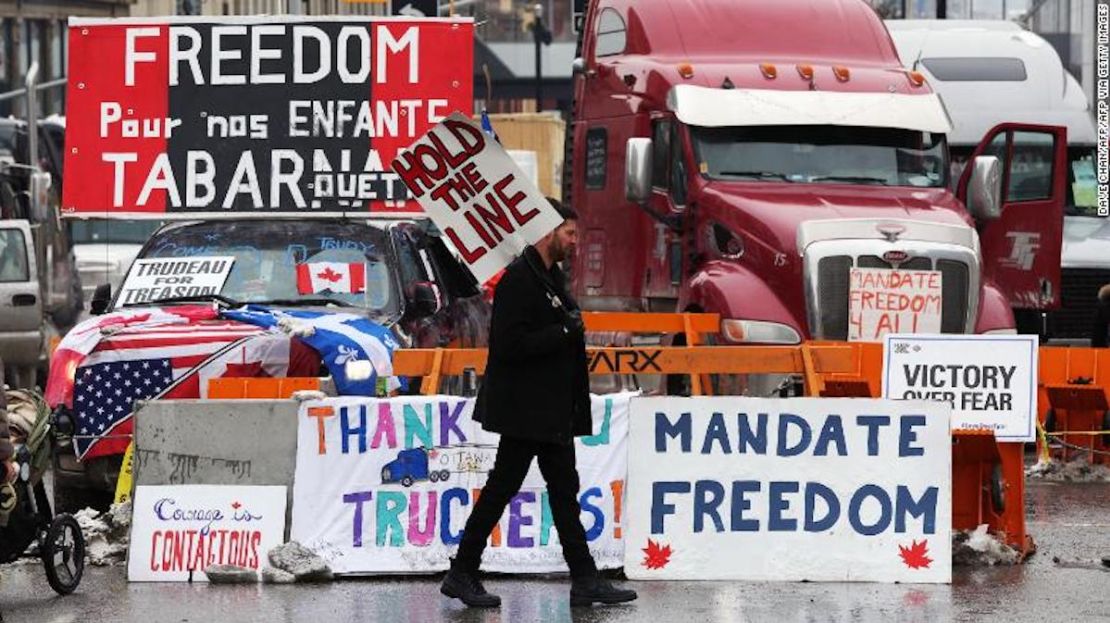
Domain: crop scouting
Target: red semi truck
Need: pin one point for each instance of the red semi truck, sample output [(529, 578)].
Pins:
[(774, 162)]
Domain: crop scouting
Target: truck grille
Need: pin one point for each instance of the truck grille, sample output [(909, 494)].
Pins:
[(1078, 299), (833, 286)]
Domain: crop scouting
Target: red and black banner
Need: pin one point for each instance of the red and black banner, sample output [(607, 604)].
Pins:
[(242, 115)]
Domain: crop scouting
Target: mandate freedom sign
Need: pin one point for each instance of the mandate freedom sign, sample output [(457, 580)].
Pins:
[(882, 301), (386, 486), (179, 531), (990, 380), (788, 490), (254, 114), (476, 194), (152, 279)]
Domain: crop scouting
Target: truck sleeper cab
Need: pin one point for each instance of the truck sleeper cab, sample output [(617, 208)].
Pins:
[(733, 169)]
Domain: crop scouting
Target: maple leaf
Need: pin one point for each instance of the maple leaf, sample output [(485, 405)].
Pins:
[(916, 555), (656, 557), (329, 275), (235, 505)]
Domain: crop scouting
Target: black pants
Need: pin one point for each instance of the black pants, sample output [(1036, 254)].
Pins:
[(1101, 326), (514, 457)]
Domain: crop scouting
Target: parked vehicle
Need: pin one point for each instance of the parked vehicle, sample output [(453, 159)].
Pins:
[(1021, 75), (104, 249), (414, 286), (732, 157)]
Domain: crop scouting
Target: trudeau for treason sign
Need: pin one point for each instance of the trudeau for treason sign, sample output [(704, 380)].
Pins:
[(254, 114)]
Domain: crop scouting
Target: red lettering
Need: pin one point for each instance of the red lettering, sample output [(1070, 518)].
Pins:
[(453, 160), (511, 202), (154, 549), (469, 256), (167, 550), (494, 218), (252, 557), (461, 131), (178, 553), (198, 556), (478, 229), (234, 546), (474, 176), (211, 553), (415, 176)]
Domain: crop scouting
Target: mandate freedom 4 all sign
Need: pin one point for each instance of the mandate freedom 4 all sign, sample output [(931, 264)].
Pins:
[(152, 279), (787, 490), (990, 380), (476, 194), (179, 531), (882, 301), (254, 114), (386, 486)]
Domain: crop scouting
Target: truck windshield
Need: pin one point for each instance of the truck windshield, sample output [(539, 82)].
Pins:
[(287, 262), (822, 154), (100, 231)]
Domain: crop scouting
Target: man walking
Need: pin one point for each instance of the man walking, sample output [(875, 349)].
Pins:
[(536, 396)]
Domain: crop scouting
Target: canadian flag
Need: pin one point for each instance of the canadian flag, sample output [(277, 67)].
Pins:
[(334, 277)]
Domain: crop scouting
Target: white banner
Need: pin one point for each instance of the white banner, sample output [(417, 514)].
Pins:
[(756, 489), (178, 531), (152, 279), (990, 380), (386, 486), (882, 301), (476, 194)]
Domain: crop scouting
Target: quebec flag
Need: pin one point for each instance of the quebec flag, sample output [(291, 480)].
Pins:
[(338, 338)]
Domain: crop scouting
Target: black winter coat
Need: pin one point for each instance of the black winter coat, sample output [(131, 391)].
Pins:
[(535, 385)]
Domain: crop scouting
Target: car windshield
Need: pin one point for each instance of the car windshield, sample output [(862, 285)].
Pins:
[(286, 262), (99, 231), (822, 154)]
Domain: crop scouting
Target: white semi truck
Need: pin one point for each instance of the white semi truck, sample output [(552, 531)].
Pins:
[(988, 72)]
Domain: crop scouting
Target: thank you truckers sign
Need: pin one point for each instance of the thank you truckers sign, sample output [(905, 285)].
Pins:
[(990, 380), (802, 489), (259, 114), (476, 194)]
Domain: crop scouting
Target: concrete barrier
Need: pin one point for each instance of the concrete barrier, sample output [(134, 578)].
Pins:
[(216, 442)]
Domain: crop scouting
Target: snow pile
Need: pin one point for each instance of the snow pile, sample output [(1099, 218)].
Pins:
[(106, 534), (304, 395), (1076, 470), (295, 327), (978, 548)]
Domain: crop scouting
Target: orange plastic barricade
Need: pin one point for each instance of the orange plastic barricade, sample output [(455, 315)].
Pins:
[(1074, 402), (260, 388)]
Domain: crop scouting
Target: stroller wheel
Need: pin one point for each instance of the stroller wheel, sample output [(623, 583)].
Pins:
[(63, 554)]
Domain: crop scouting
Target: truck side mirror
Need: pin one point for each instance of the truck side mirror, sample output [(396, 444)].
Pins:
[(637, 170), (984, 188), (101, 299)]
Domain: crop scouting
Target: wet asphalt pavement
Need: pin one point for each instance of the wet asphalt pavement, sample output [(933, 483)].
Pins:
[(1069, 521)]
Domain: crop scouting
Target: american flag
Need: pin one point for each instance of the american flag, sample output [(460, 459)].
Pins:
[(139, 364)]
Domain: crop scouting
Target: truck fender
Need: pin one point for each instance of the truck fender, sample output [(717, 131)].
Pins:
[(995, 312), (734, 291)]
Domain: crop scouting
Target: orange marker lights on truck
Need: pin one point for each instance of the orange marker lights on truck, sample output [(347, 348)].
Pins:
[(916, 78), (805, 71), (769, 71), (841, 72), (686, 70)]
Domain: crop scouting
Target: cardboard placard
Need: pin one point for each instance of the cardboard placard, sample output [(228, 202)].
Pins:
[(152, 279), (386, 486), (220, 116), (178, 531), (882, 301), (989, 380), (829, 490), (476, 194)]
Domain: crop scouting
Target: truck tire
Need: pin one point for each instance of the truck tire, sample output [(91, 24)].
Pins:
[(998, 489), (406, 481), (433, 476), (444, 475)]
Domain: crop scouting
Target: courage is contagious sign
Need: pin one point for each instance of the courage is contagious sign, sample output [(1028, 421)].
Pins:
[(208, 116)]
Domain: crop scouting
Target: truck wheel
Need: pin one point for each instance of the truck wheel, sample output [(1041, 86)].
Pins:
[(444, 475), (998, 489), (433, 476), (74, 499), (406, 481)]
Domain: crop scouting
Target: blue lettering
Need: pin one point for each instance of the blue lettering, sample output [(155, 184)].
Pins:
[(816, 490), (785, 421), (926, 505), (831, 432), (664, 428), (599, 517), (718, 432), (880, 496), (708, 495), (756, 440), (908, 435), (659, 506), (454, 493), (775, 522), (873, 422), (347, 431), (741, 504)]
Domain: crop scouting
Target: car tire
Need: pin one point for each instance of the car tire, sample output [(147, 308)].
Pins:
[(68, 499)]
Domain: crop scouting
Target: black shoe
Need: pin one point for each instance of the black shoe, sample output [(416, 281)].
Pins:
[(466, 586), (588, 591)]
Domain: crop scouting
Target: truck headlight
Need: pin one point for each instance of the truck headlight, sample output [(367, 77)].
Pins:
[(758, 332)]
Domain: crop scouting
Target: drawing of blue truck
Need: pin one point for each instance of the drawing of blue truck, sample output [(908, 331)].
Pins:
[(411, 466)]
